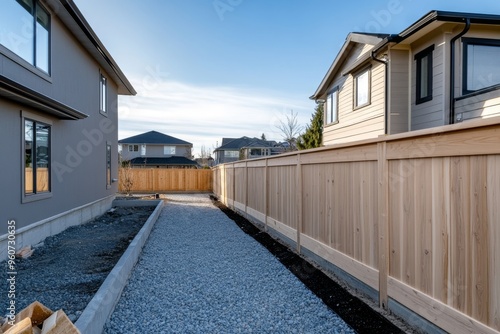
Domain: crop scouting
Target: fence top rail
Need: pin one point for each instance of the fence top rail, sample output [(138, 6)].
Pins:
[(440, 130)]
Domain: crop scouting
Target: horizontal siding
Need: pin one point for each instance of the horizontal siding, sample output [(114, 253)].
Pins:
[(431, 113), (363, 123), (479, 106)]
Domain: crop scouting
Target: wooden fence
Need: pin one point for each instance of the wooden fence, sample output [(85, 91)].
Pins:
[(415, 216), (148, 180)]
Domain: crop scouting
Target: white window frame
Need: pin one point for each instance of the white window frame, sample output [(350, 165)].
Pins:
[(365, 73), (332, 107), (169, 150), (103, 95), (133, 148)]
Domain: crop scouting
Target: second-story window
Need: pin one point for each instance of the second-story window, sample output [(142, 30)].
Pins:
[(362, 88), (424, 75), (481, 65), (25, 30), (103, 99), (169, 150), (331, 107)]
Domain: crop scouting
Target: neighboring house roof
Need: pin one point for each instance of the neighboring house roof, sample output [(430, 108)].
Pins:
[(170, 161), (242, 142), (227, 140), (78, 25), (379, 41), (154, 137)]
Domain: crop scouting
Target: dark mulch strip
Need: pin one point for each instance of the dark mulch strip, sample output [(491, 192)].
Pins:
[(361, 317)]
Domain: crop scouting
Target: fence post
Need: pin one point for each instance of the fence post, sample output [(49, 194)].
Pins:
[(234, 183), (383, 222), (266, 195), (298, 199), (246, 187)]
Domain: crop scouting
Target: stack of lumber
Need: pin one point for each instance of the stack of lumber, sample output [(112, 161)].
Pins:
[(38, 319)]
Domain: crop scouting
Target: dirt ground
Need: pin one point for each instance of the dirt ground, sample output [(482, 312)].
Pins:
[(66, 270)]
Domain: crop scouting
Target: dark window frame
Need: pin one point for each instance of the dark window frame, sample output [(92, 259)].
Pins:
[(33, 62), (368, 70), (475, 41), (35, 195), (426, 53)]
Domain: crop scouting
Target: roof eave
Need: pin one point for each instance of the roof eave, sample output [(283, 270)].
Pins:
[(91, 42), (351, 38)]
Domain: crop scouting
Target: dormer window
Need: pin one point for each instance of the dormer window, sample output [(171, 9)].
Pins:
[(25, 31)]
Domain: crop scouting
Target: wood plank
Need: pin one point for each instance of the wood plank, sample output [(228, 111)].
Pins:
[(494, 239), (479, 238), (383, 224), (436, 312), (364, 273), (471, 142), (460, 269), (441, 227), (284, 229)]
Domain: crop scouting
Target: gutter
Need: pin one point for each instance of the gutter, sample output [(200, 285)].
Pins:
[(382, 44), (452, 69)]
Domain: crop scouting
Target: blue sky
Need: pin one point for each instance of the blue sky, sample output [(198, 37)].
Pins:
[(207, 69)]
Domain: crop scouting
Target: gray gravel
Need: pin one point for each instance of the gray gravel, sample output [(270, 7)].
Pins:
[(199, 273)]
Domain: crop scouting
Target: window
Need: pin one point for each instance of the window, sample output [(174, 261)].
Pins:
[(143, 150), (108, 165), (133, 148), (331, 107), (424, 75), (481, 64), (362, 88), (169, 150), (36, 143), (103, 108), (25, 30), (232, 154)]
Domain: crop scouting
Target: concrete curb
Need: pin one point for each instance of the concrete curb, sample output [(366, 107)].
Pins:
[(101, 307)]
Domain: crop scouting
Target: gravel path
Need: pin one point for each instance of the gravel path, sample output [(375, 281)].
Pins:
[(199, 273)]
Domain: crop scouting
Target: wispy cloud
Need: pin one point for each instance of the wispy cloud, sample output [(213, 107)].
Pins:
[(203, 115)]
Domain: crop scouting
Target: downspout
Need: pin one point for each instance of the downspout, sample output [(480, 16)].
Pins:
[(386, 90), (452, 70)]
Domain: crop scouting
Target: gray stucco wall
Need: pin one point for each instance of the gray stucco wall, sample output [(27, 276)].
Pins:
[(78, 147)]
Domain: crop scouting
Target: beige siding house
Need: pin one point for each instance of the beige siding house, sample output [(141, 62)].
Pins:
[(385, 84)]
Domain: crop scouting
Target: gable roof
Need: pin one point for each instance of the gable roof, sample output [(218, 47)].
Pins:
[(242, 142), (351, 39), (384, 39), (74, 20), (154, 137)]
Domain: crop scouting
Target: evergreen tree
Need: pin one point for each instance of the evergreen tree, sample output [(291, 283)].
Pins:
[(313, 136)]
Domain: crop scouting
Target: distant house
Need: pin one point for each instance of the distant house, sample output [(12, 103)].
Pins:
[(234, 149), (156, 150), (443, 69), (59, 90)]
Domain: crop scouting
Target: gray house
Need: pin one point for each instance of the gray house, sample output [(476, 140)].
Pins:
[(442, 69), (59, 90), (156, 150), (234, 149)]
